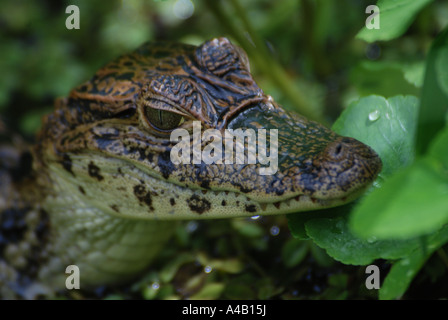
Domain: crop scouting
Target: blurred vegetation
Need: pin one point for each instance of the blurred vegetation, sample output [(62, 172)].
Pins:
[(303, 52)]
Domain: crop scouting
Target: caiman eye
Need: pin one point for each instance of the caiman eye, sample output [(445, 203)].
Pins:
[(163, 120)]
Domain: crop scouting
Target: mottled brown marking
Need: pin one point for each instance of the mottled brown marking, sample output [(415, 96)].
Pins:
[(94, 171), (143, 195), (251, 208), (198, 204), (67, 163)]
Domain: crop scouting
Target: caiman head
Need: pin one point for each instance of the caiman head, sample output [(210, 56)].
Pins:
[(110, 141)]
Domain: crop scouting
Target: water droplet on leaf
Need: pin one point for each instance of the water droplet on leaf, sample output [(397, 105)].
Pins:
[(374, 115)]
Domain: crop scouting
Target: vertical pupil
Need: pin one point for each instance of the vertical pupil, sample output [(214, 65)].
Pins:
[(160, 118), (163, 120)]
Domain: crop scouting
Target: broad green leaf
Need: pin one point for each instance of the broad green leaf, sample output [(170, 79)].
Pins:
[(411, 203), (442, 69), (434, 98), (296, 224), (296, 221), (334, 235), (386, 79), (404, 270), (400, 276), (439, 148), (386, 125), (414, 73), (395, 17)]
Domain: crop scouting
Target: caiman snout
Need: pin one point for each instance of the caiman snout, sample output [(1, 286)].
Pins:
[(349, 166), (313, 161)]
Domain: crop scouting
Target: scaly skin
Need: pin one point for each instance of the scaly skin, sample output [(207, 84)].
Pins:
[(103, 194)]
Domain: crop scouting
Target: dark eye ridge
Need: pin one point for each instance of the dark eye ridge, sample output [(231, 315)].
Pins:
[(163, 120)]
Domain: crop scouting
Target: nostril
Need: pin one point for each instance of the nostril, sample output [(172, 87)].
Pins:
[(338, 149)]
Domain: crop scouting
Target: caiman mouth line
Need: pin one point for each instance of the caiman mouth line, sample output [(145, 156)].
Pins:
[(243, 206), (300, 198), (287, 205), (215, 204), (171, 199)]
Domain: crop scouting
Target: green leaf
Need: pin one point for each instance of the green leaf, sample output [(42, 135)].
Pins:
[(439, 148), (321, 256), (414, 73), (442, 70), (403, 271), (294, 251), (297, 221), (386, 78), (296, 224), (334, 235), (411, 203), (434, 100), (386, 125), (210, 291), (169, 271), (247, 227), (395, 17)]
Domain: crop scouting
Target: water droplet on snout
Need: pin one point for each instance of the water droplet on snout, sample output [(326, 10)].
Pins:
[(208, 269), (374, 115)]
